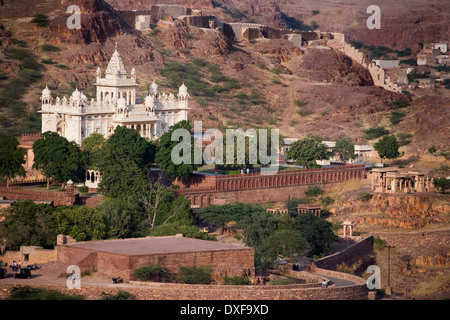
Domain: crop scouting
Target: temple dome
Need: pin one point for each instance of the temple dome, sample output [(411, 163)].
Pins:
[(182, 90), (153, 88), (116, 65), (76, 95), (46, 93)]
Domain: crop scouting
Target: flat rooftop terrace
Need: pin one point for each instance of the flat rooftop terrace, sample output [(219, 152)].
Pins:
[(155, 245)]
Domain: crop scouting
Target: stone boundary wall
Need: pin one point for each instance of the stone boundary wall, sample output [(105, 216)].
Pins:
[(349, 255), (282, 178), (59, 198), (377, 73), (35, 255), (114, 264), (240, 29), (203, 190), (219, 292)]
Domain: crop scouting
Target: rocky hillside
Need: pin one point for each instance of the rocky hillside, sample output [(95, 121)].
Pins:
[(262, 83)]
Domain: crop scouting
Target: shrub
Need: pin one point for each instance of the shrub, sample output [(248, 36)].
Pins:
[(313, 191), (195, 275), (396, 117), (379, 244), (403, 138), (49, 48), (304, 113), (121, 295), (62, 66), (83, 189), (442, 184), (300, 103), (151, 272), (41, 20), (364, 196), (29, 293), (236, 281), (400, 103), (376, 132)]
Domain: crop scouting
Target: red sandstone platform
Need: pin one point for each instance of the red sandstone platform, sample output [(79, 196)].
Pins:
[(155, 245)]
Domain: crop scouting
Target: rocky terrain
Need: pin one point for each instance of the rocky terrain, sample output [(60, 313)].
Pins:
[(275, 83)]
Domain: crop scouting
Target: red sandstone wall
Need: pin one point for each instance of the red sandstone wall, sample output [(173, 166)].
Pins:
[(226, 262), (197, 292), (349, 255), (59, 198), (202, 191)]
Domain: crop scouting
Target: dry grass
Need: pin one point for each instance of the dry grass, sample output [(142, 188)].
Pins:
[(337, 190), (432, 287)]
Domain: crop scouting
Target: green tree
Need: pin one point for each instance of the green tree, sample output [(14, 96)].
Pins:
[(305, 152), (132, 145), (121, 176), (387, 147), (123, 218), (376, 132), (316, 231), (161, 205), (345, 149), (80, 222), (26, 223), (163, 156), (221, 215), (187, 230), (258, 227), (12, 158), (92, 145), (442, 184), (59, 158), (286, 243), (248, 144)]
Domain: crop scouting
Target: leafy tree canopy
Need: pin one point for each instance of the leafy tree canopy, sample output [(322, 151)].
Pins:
[(164, 159), (59, 158), (12, 158), (80, 222), (387, 147), (345, 149), (221, 215), (131, 144), (26, 223), (316, 231), (305, 152)]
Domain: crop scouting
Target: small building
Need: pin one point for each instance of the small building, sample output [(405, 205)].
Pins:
[(120, 257), (315, 209), (392, 180), (277, 211), (348, 228)]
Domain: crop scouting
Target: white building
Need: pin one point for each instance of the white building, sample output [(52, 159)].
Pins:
[(76, 117)]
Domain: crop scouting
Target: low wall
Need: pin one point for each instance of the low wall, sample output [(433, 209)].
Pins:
[(215, 292), (349, 255), (59, 198), (113, 265), (203, 190)]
